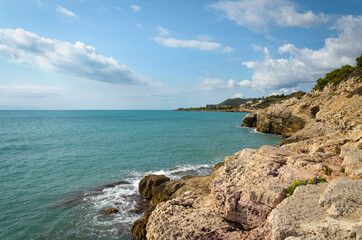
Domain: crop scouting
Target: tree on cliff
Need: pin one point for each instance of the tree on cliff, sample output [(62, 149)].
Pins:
[(359, 61), (337, 75)]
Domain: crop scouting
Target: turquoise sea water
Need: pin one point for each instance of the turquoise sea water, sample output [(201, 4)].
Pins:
[(54, 165)]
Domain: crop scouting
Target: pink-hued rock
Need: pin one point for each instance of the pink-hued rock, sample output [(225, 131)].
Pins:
[(253, 182), (189, 217)]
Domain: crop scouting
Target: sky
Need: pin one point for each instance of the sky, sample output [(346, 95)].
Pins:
[(143, 55)]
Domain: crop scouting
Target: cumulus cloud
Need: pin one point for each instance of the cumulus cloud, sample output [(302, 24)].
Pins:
[(193, 44), (238, 95), (219, 84), (304, 65), (135, 8), (259, 15), (77, 59), (182, 43), (65, 11)]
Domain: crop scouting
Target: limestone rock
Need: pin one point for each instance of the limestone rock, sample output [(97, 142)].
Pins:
[(333, 111), (352, 162), (189, 217), (254, 182), (320, 211), (249, 120)]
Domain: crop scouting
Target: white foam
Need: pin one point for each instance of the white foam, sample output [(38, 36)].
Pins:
[(124, 196)]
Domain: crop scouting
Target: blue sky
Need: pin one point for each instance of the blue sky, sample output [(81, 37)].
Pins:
[(129, 54)]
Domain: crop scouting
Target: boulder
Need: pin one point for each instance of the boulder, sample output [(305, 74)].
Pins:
[(249, 120), (111, 211), (253, 182), (189, 217), (149, 183), (321, 211), (352, 162), (139, 230), (139, 226)]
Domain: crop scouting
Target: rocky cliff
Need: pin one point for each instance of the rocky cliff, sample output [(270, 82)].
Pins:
[(309, 188)]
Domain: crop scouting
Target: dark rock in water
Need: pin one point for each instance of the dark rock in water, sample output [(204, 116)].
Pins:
[(165, 190), (109, 185), (149, 183), (249, 120), (168, 189), (111, 211), (217, 166), (139, 227), (139, 230), (116, 184)]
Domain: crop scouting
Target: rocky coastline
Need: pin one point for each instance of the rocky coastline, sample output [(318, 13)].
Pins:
[(238, 109), (307, 187)]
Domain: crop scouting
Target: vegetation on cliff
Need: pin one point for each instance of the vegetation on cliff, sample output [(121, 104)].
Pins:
[(337, 75), (295, 184)]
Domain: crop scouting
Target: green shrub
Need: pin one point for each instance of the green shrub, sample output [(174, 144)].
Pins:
[(342, 170), (327, 170), (359, 61), (334, 77), (295, 184), (314, 96), (320, 179)]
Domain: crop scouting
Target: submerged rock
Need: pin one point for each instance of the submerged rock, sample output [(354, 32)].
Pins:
[(111, 211)]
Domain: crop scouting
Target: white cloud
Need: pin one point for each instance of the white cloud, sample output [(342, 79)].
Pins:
[(265, 50), (182, 43), (65, 11), (304, 65), (135, 8), (194, 44), (162, 31), (238, 95), (204, 42), (77, 59), (219, 84), (139, 25), (259, 15)]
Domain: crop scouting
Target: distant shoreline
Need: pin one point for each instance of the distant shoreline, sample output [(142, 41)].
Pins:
[(241, 110)]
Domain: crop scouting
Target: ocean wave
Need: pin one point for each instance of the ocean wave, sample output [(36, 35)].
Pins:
[(123, 195)]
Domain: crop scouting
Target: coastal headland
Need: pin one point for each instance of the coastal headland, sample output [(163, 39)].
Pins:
[(307, 187)]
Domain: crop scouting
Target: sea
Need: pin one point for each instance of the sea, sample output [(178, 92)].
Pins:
[(59, 170)]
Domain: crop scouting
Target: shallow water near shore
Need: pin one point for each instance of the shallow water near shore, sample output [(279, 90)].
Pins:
[(60, 169)]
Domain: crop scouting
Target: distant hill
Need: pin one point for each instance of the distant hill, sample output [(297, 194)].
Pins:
[(235, 101)]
